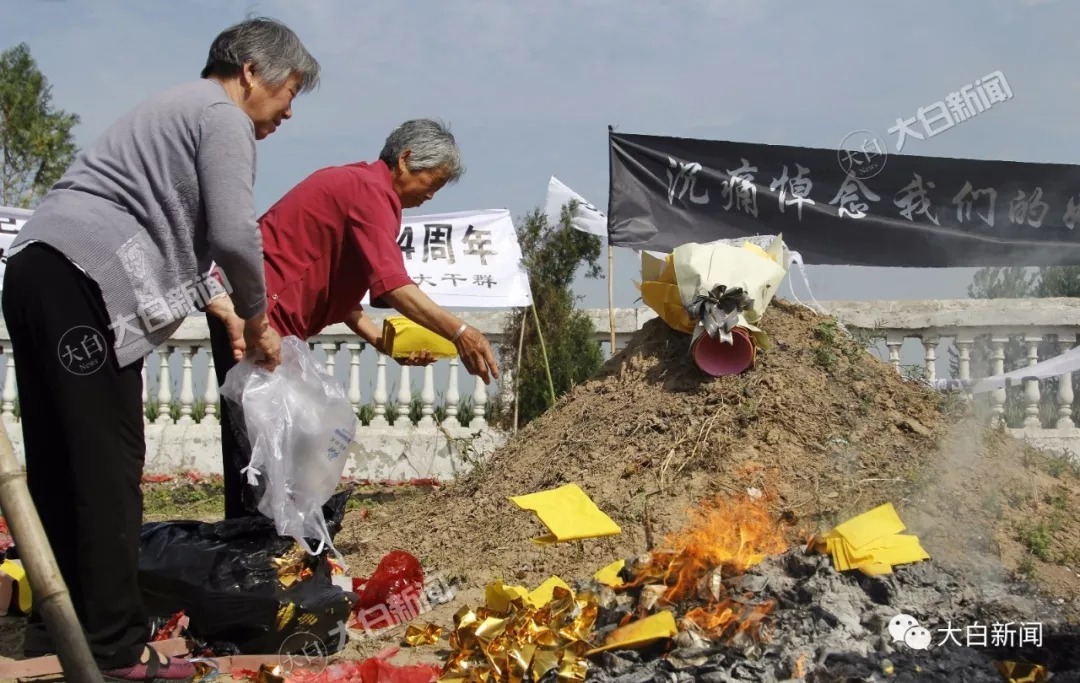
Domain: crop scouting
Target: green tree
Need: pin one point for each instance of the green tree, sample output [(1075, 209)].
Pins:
[(36, 143), (552, 255)]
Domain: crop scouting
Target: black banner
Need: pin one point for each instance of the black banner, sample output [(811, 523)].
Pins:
[(860, 206)]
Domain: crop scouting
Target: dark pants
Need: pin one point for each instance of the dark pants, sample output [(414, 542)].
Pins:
[(241, 500), (82, 425)]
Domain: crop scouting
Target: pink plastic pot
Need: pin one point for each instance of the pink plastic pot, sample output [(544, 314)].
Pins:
[(719, 359)]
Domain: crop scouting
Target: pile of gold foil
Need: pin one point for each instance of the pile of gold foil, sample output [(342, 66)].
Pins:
[(505, 647), (292, 566)]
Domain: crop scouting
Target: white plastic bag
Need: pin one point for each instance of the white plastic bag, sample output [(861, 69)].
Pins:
[(300, 424)]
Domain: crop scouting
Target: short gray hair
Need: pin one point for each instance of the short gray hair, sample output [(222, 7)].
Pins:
[(273, 48), (432, 146)]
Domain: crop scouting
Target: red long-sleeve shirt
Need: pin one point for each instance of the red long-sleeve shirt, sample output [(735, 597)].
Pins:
[(326, 243)]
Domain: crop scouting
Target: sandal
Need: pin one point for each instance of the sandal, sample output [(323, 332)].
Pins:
[(153, 671)]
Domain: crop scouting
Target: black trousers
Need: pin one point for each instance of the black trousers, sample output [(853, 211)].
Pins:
[(82, 425), (241, 500)]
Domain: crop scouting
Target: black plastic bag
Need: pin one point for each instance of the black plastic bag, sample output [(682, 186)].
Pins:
[(223, 577)]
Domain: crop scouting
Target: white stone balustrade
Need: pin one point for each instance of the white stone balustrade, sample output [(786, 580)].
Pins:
[(451, 428)]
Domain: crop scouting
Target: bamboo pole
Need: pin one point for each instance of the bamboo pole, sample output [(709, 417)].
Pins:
[(543, 350), (47, 586), (517, 385)]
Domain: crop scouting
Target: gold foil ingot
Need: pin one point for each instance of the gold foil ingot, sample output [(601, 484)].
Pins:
[(428, 634)]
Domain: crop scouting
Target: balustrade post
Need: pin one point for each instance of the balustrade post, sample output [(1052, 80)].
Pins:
[(427, 398), (1031, 387), (164, 390), (894, 346), (187, 395), (210, 394), (963, 347), (930, 345), (1065, 392), (453, 397), (480, 399), (404, 398), (355, 349), (330, 349), (380, 398), (7, 409), (997, 396)]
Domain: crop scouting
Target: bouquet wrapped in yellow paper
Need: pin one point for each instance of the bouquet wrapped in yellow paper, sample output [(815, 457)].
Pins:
[(402, 337), (717, 293)]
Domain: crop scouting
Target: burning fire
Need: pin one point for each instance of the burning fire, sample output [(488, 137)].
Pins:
[(724, 538)]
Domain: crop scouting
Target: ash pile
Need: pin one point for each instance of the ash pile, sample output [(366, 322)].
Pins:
[(794, 617)]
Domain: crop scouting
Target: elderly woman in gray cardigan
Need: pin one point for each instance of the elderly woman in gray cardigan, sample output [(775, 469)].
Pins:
[(110, 264)]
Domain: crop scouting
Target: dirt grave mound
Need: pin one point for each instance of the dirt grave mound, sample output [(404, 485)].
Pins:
[(820, 426)]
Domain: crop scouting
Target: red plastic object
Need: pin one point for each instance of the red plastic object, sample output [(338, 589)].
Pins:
[(391, 590), (377, 669)]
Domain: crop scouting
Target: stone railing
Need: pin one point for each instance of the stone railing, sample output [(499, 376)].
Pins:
[(433, 421)]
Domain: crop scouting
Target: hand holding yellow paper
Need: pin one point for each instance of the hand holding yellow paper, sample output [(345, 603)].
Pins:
[(568, 513), (402, 337)]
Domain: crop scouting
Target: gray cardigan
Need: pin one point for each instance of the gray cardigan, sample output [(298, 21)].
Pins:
[(167, 189)]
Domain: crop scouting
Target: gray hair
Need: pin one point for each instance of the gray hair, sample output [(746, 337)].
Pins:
[(431, 146), (272, 47)]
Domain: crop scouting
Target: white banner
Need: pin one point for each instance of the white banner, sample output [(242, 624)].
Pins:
[(587, 218), (469, 259), (11, 220)]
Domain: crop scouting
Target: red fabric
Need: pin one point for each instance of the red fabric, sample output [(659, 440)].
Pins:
[(327, 242)]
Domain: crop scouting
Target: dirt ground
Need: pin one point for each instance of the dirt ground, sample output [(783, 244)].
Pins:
[(820, 427)]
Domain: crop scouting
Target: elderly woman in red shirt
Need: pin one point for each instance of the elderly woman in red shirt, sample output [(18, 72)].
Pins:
[(328, 242)]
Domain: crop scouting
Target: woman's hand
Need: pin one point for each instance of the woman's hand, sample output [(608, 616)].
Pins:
[(222, 309), (262, 342), (476, 354)]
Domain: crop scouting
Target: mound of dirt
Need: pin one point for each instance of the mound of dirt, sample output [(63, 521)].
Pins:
[(822, 428)]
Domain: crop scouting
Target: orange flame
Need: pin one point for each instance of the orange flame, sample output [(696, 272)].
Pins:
[(724, 538)]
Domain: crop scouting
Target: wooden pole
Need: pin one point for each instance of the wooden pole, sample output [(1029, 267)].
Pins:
[(611, 294), (50, 593)]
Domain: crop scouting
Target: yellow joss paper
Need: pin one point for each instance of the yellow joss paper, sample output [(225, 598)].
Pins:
[(870, 526), (544, 592), (568, 513), (499, 596), (428, 634), (609, 575), (872, 543), (641, 632), (402, 336)]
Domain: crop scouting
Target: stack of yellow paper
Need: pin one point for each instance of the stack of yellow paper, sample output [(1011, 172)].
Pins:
[(872, 543), (402, 336), (568, 513)]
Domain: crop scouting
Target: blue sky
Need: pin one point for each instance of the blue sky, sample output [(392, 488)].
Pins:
[(529, 88)]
